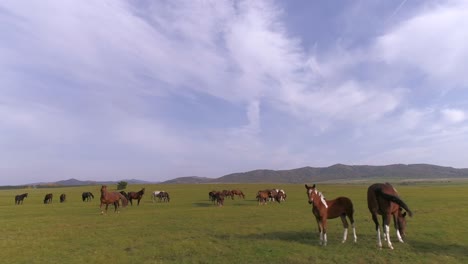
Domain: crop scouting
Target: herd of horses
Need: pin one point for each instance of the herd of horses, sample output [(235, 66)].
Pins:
[(382, 199)]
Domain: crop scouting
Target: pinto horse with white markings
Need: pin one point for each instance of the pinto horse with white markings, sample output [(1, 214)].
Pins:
[(383, 199), (328, 209)]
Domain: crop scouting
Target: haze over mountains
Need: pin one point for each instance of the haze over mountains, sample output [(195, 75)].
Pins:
[(334, 173)]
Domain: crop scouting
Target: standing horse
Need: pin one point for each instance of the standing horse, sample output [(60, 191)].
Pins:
[(20, 197), (136, 195), (163, 196), (329, 209), (111, 198), (383, 199), (87, 196), (48, 198), (63, 197)]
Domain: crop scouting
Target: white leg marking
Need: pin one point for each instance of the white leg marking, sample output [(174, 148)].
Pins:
[(345, 235), (379, 242), (354, 232), (325, 239), (387, 234), (399, 236), (321, 237)]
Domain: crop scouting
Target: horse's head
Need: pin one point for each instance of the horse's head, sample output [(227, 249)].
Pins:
[(103, 188), (311, 193), (401, 219)]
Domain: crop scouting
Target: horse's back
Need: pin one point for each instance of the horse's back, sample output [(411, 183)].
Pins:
[(375, 202), (340, 206)]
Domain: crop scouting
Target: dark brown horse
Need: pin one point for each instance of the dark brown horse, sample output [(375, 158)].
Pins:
[(48, 198), (87, 196), (136, 195), (111, 198), (383, 199), (20, 197), (63, 197), (328, 209)]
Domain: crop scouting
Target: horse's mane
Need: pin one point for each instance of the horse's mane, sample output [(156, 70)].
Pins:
[(322, 198)]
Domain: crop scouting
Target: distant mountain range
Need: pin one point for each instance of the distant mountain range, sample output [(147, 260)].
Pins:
[(334, 173)]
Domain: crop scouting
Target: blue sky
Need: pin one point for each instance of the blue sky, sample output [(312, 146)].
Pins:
[(110, 90)]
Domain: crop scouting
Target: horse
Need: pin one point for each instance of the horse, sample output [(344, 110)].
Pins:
[(48, 198), (136, 195), (262, 197), (111, 198), (87, 196), (383, 199), (163, 196), (154, 195), (63, 197), (328, 209), (239, 193), (20, 197), (124, 194), (227, 193)]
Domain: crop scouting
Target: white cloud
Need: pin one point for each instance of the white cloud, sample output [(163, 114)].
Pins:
[(453, 115), (433, 41)]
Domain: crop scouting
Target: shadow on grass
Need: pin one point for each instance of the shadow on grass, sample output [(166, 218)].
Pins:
[(201, 204), (454, 250), (290, 236)]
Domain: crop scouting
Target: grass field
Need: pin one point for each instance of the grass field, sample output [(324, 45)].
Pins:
[(190, 229)]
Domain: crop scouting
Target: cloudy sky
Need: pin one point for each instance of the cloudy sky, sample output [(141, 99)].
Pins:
[(154, 90)]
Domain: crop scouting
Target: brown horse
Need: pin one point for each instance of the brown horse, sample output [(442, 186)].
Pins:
[(63, 197), (48, 198), (262, 197), (329, 209), (239, 193), (136, 195), (383, 199), (111, 198)]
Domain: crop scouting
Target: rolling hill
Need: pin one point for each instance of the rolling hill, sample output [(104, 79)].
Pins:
[(337, 172)]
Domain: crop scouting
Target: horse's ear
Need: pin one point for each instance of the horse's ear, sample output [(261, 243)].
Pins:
[(313, 186), (307, 187)]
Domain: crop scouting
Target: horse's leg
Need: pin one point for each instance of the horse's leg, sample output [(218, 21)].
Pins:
[(386, 223), (395, 222), (377, 228), (324, 228), (345, 226), (351, 219), (319, 225)]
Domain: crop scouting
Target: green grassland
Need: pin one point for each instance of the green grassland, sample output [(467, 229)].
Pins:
[(190, 229)]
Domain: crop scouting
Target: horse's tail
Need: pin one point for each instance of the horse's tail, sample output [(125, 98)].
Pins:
[(393, 198), (124, 200)]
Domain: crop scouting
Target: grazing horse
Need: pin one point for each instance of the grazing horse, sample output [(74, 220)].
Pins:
[(63, 197), (262, 197), (383, 199), (227, 193), (239, 193), (329, 209), (87, 196), (163, 196), (154, 195), (48, 198), (20, 197), (111, 198), (136, 195)]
